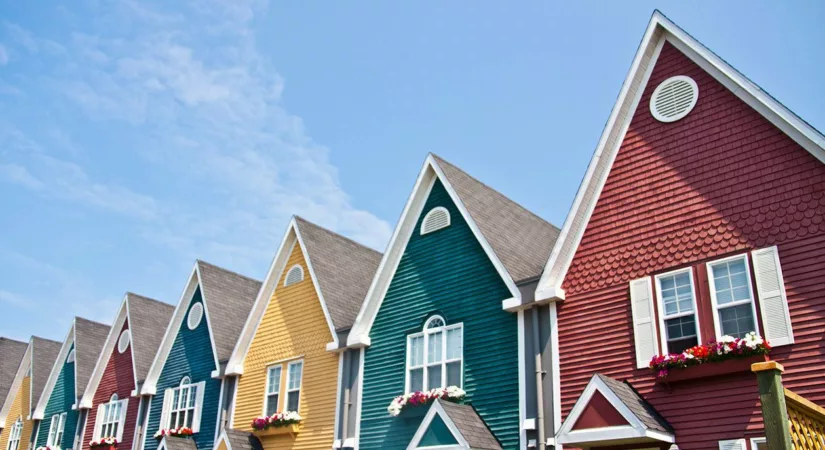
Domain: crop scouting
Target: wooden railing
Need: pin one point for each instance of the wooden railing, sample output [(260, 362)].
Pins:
[(807, 422)]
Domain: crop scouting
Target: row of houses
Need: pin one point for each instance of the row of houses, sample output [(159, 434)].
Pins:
[(483, 326)]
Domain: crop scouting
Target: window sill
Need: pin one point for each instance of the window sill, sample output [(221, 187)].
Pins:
[(291, 430), (709, 370)]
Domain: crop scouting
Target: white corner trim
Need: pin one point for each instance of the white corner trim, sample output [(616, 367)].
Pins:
[(351, 442), (436, 408), (401, 236), (40, 409), (584, 202), (522, 377), (87, 400)]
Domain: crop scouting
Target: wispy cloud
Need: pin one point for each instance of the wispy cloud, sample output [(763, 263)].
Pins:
[(4, 56)]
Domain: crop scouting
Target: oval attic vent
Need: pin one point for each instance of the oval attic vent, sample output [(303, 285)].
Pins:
[(123, 342), (195, 316), (674, 98)]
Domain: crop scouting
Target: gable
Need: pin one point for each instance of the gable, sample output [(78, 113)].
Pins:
[(192, 351), (599, 413), (18, 406), (437, 434), (61, 400)]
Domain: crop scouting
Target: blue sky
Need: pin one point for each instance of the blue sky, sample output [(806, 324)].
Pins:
[(137, 136)]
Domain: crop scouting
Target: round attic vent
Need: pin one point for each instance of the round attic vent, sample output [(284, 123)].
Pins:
[(674, 98), (195, 316), (123, 342)]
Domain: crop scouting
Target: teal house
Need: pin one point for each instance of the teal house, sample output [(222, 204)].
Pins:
[(185, 386), (56, 413), (443, 312)]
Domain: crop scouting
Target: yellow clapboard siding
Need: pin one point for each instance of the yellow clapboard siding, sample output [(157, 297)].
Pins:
[(19, 408), (293, 326)]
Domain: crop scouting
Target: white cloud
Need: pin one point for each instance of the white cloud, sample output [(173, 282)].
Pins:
[(4, 56), (16, 174)]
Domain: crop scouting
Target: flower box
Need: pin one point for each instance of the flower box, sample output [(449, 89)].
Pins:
[(104, 447), (422, 398), (714, 369), (277, 431)]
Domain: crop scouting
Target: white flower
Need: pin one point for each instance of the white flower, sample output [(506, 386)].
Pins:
[(726, 339)]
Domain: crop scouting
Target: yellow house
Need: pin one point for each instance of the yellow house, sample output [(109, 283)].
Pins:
[(24, 392), (290, 354)]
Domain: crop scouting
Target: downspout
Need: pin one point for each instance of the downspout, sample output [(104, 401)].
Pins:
[(542, 441), (345, 420)]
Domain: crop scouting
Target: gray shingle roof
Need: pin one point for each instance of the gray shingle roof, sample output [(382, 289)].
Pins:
[(471, 426), (90, 337), (44, 355), (242, 440), (636, 404), (11, 353), (178, 443), (344, 269), (229, 297), (520, 239), (148, 320)]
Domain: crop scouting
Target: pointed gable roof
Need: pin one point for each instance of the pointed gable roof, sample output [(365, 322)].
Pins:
[(12, 352), (39, 356), (516, 241), (341, 270), (463, 422), (148, 319), (227, 298), (659, 30)]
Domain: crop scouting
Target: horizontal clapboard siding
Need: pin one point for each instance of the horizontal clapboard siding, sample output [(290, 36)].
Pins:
[(445, 272), (60, 401), (20, 408), (191, 355)]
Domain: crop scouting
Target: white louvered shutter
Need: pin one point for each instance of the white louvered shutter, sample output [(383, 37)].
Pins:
[(772, 299), (734, 444), (196, 421), (98, 421), (124, 405), (167, 406), (644, 321)]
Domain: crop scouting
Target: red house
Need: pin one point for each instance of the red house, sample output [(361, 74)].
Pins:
[(700, 216), (111, 403)]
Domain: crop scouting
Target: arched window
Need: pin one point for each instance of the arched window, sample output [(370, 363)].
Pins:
[(185, 380), (435, 356), (14, 434), (111, 417), (295, 275), (435, 220), (182, 408)]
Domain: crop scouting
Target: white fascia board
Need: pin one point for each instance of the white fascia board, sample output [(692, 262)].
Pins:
[(40, 409), (208, 319), (103, 359), (317, 285), (150, 383), (22, 368)]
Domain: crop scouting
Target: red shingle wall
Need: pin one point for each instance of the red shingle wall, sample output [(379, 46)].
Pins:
[(118, 378), (722, 180)]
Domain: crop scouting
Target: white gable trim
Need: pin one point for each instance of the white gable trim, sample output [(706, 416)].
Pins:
[(659, 30), (222, 438), (22, 368), (291, 238), (635, 430), (359, 335), (436, 408), (55, 373), (105, 355), (150, 383)]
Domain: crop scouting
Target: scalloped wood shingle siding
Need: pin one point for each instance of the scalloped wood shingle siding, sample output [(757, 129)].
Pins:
[(444, 272)]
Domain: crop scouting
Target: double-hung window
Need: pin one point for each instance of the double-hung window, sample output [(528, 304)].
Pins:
[(110, 418), (273, 389), (677, 310), (58, 424), (184, 397), (294, 374), (435, 356), (732, 295), (14, 434)]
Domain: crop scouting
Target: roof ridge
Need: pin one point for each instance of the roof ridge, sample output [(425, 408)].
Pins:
[(92, 321), (130, 293), (200, 261), (336, 234), (46, 339), (3, 338), (528, 211)]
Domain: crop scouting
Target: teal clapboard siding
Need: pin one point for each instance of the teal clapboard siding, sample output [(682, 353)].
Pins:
[(61, 401), (448, 273), (191, 355)]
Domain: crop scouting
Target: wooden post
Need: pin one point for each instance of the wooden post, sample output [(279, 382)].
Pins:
[(774, 410)]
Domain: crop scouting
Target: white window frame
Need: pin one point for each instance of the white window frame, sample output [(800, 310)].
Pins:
[(444, 361), (267, 394), (300, 383), (660, 306), (757, 440), (15, 433), (191, 391), (717, 325), (56, 430), (110, 421)]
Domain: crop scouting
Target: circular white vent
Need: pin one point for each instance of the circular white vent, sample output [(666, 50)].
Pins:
[(674, 98), (123, 341), (195, 316), (70, 358)]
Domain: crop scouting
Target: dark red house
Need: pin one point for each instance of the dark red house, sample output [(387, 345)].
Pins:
[(700, 216), (111, 403)]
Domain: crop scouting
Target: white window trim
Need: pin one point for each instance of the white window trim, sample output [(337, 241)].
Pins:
[(15, 433), (186, 410), (266, 387), (660, 306), (430, 213), (717, 326), (757, 440), (425, 333), (102, 420), (56, 430), (300, 384), (300, 269)]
